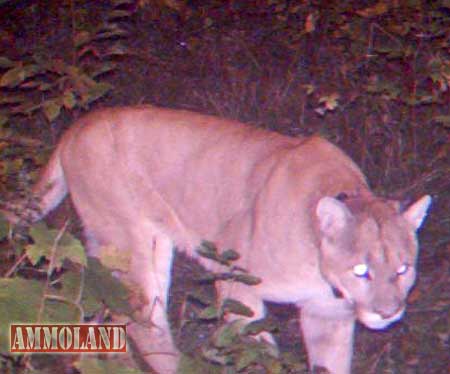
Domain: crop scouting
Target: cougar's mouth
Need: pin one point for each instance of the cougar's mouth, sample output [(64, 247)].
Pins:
[(376, 321)]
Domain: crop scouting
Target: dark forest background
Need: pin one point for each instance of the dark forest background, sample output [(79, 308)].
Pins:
[(371, 76)]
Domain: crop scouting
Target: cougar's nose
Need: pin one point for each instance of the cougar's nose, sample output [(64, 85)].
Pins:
[(390, 311)]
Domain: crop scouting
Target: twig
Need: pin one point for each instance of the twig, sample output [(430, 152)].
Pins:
[(16, 264), (64, 300), (373, 367), (25, 141), (81, 289), (51, 267)]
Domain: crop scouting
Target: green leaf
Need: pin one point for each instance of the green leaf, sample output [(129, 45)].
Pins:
[(70, 284), (60, 310), (230, 255), (115, 14), (31, 84), (88, 365), (208, 22), (13, 77), (373, 11), (3, 119), (209, 313), (101, 287), (4, 227), (250, 355), (194, 365), (114, 258), (95, 92), (330, 101), (200, 296), (6, 63), (117, 49), (208, 246), (208, 278), (26, 107), (247, 279), (118, 3), (111, 30), (81, 38), (45, 86), (31, 70), (104, 68), (17, 75), (44, 240), (388, 88), (274, 366), (80, 80), (69, 100), (208, 250), (20, 300), (236, 307), (214, 355), (227, 335), (52, 109), (11, 99), (259, 326), (56, 66)]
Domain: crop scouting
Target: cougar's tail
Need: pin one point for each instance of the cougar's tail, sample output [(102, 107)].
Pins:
[(47, 193)]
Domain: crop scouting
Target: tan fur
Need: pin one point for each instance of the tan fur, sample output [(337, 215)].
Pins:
[(146, 179)]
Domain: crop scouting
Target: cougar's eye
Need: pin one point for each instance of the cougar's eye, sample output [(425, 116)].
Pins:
[(402, 269), (361, 270)]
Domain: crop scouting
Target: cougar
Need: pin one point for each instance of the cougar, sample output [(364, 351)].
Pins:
[(297, 209)]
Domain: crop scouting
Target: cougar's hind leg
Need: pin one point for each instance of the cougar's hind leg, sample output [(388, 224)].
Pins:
[(150, 334)]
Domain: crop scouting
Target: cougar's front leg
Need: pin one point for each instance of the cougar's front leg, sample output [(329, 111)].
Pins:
[(248, 296), (329, 341), (151, 267)]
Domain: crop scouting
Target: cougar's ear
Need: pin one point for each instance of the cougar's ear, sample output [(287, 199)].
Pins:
[(333, 216), (417, 212)]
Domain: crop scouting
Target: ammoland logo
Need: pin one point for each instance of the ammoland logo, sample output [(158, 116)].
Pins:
[(82, 338)]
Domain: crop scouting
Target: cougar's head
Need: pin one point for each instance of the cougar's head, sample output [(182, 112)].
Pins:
[(368, 250)]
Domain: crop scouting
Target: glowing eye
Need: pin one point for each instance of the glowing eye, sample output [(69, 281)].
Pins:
[(361, 270), (402, 269)]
